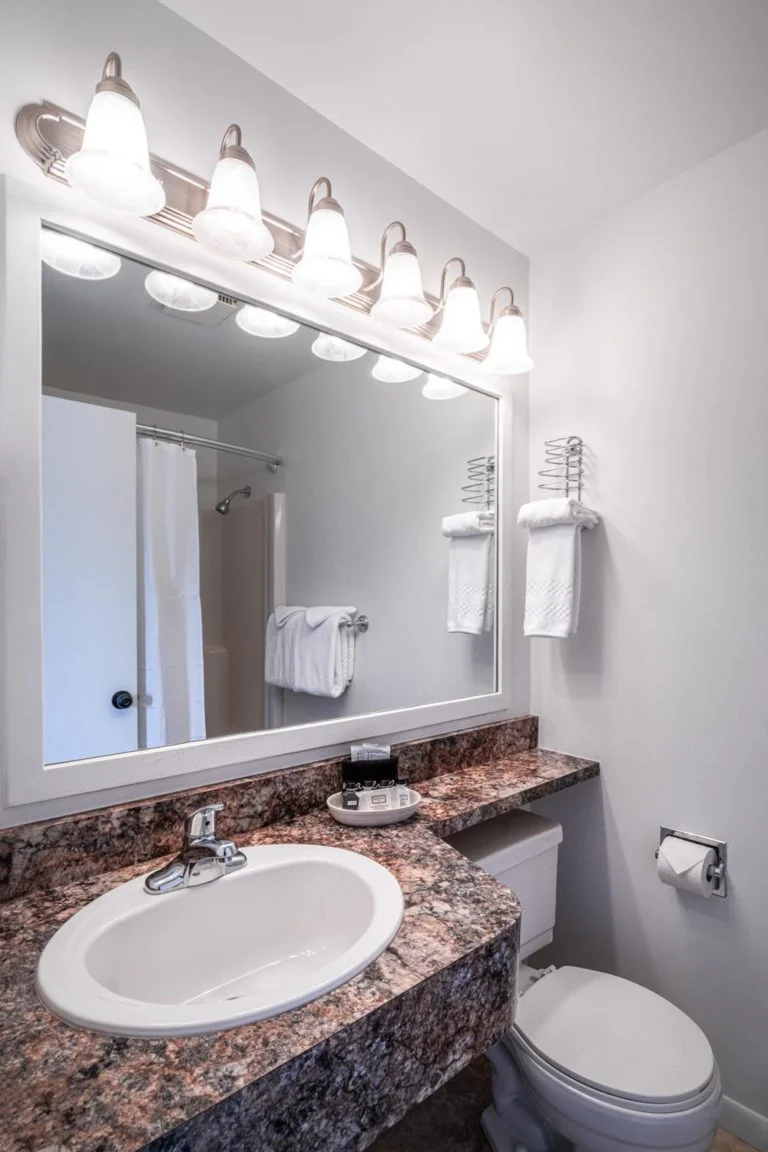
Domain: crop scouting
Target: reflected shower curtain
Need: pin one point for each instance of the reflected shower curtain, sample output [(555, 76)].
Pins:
[(171, 693)]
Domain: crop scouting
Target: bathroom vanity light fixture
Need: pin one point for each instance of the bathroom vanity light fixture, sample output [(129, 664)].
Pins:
[(261, 322), (392, 371), (462, 327), (77, 258), (231, 224), (333, 348), (180, 294), (401, 300), (440, 388), (325, 265), (106, 157), (112, 166), (508, 354)]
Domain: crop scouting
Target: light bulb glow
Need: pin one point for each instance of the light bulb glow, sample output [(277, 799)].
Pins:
[(392, 371), (230, 224), (261, 322), (508, 355), (326, 264), (401, 301), (112, 167), (333, 348), (440, 388), (77, 258), (462, 327), (179, 294)]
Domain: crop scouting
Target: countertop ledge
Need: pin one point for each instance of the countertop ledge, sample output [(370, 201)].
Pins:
[(67, 1090)]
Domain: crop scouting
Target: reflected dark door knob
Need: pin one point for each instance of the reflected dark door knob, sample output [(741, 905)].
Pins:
[(122, 700)]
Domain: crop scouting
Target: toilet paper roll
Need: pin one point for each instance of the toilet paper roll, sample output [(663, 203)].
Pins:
[(684, 864)]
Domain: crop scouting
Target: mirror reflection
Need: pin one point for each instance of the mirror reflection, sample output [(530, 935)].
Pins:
[(247, 523)]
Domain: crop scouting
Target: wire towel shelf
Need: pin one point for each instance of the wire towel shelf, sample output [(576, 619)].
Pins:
[(481, 489), (564, 457)]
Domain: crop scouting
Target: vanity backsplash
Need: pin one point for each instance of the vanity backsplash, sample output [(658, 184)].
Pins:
[(73, 848)]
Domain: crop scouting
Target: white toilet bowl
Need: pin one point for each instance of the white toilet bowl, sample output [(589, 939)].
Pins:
[(600, 1064)]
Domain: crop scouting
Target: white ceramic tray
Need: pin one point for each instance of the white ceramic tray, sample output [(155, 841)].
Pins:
[(358, 819)]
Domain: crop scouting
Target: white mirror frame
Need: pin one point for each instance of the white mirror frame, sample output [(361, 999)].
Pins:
[(25, 778)]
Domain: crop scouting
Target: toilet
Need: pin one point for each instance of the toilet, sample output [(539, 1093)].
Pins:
[(593, 1063)]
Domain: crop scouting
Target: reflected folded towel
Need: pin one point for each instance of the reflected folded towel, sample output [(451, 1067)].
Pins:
[(553, 579), (310, 650), (470, 553)]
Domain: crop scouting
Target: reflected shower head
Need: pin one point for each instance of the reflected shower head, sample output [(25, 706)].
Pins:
[(223, 505)]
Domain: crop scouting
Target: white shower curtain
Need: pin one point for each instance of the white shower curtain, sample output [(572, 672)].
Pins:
[(171, 692)]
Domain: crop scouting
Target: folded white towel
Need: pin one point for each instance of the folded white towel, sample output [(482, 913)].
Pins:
[(553, 582), (310, 650), (470, 555), (468, 524)]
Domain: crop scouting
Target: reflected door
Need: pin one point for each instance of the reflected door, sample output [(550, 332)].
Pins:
[(89, 580)]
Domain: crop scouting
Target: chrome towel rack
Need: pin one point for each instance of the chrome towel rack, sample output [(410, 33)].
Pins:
[(481, 489), (360, 624), (564, 457)]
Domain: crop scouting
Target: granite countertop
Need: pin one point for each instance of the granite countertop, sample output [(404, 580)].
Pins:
[(69, 1090)]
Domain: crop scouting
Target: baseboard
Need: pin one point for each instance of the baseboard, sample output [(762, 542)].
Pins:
[(744, 1123)]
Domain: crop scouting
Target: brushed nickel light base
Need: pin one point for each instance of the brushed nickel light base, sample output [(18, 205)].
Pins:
[(50, 135)]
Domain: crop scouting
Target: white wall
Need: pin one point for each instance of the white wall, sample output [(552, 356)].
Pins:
[(190, 89), (651, 339), (370, 471)]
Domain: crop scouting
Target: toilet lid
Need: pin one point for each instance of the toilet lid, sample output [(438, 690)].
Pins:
[(615, 1036)]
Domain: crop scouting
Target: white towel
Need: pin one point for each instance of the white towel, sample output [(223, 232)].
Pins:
[(310, 650), (470, 552), (553, 583)]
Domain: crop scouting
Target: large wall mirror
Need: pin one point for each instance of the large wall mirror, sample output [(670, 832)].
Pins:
[(193, 591)]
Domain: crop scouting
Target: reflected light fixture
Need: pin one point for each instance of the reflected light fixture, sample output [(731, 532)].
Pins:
[(401, 300), (261, 322), (77, 258), (508, 355), (462, 326), (392, 371), (333, 348), (112, 167), (325, 266), (440, 388), (230, 224), (180, 294)]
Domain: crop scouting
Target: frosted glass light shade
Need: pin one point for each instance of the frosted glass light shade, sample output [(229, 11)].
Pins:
[(261, 322), (392, 371), (326, 264), (508, 354), (179, 294), (112, 167), (439, 388), (77, 258), (231, 224), (334, 348), (462, 327), (401, 301)]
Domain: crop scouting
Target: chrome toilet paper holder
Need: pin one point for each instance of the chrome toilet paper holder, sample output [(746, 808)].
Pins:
[(720, 847)]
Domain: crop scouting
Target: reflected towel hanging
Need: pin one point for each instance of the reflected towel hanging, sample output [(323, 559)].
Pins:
[(470, 555), (553, 578), (310, 650)]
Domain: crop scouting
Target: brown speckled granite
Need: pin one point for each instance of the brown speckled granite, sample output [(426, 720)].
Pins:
[(461, 799), (54, 852), (330, 1075)]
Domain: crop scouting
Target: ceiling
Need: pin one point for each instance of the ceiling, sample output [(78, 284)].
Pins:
[(533, 117), (107, 338)]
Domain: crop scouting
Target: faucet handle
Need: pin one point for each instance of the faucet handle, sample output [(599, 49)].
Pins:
[(202, 823)]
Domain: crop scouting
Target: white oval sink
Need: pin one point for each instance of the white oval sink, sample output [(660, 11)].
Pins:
[(293, 923)]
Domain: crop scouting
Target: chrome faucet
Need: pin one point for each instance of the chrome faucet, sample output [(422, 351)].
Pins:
[(203, 857)]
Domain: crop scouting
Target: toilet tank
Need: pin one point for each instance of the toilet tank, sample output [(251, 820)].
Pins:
[(520, 850)]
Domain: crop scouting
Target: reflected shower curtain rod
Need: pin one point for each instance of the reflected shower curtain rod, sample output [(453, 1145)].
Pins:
[(155, 433)]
